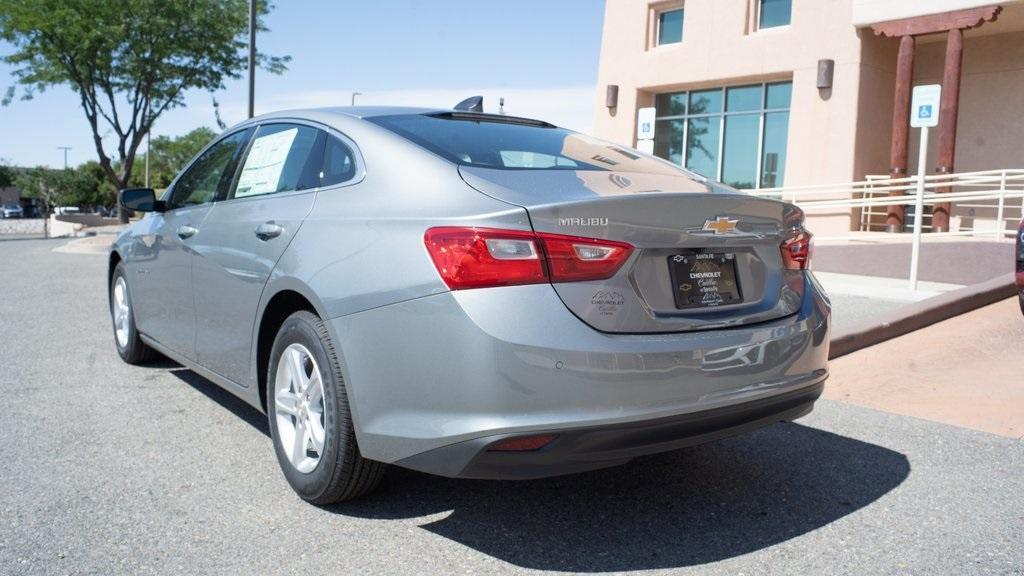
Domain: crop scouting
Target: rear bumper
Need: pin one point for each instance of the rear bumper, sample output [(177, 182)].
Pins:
[(431, 381), (582, 449)]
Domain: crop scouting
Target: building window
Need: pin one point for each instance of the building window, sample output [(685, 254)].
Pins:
[(735, 134), (670, 27), (772, 13)]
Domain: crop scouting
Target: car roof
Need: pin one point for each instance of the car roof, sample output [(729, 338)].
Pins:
[(365, 112)]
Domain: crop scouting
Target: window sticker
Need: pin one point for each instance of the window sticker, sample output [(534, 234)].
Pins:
[(261, 173)]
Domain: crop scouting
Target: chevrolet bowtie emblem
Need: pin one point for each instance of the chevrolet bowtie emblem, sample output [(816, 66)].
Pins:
[(720, 225)]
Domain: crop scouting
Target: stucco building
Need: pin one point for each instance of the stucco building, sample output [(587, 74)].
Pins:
[(770, 93)]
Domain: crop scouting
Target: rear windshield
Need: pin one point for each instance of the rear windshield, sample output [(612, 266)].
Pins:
[(515, 144)]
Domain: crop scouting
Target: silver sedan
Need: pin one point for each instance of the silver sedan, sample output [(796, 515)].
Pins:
[(468, 294)]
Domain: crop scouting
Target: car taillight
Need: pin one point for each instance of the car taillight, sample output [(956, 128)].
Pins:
[(574, 259), (483, 257), (796, 249)]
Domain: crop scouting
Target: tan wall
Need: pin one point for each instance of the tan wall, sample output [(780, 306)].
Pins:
[(718, 48), (990, 128)]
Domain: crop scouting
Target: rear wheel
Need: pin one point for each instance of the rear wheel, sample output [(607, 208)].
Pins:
[(130, 346), (1020, 298), (310, 420)]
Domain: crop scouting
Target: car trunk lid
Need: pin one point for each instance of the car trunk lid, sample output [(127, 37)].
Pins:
[(705, 255)]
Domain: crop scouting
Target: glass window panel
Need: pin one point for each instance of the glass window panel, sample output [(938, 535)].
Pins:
[(668, 140), (282, 158), (739, 150), (773, 162), (775, 13), (779, 95), (210, 175), (706, 101), (702, 145), (671, 104), (339, 165), (670, 27), (743, 98)]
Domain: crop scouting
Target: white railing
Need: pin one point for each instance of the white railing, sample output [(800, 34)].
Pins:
[(1001, 191)]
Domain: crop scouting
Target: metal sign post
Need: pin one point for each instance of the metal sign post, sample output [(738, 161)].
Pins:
[(924, 114)]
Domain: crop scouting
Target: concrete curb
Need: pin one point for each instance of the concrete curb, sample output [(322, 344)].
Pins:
[(99, 244), (921, 314)]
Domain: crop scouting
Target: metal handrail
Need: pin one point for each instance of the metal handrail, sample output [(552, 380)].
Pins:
[(966, 189)]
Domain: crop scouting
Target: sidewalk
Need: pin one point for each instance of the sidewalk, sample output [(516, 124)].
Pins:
[(963, 371)]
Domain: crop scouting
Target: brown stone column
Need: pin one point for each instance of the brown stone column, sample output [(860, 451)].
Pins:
[(948, 111), (900, 127)]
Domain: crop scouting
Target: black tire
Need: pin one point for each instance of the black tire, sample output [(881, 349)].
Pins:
[(1020, 298), (134, 350), (341, 473)]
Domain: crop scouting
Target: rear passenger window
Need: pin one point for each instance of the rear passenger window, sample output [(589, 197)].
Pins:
[(339, 165), (281, 158)]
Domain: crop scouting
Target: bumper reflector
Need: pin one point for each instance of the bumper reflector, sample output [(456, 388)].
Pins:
[(521, 443)]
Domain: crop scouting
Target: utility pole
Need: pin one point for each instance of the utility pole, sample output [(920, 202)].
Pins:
[(252, 58), (354, 94), (149, 128), (65, 149)]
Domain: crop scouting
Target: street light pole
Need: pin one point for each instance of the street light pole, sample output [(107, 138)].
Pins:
[(252, 58), (354, 94), (65, 149), (149, 128)]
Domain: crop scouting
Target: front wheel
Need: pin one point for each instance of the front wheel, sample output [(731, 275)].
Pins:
[(130, 346), (310, 420)]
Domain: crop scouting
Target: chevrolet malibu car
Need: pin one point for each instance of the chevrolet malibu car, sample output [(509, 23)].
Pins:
[(469, 295)]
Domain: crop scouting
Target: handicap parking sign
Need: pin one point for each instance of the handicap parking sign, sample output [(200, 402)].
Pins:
[(925, 104)]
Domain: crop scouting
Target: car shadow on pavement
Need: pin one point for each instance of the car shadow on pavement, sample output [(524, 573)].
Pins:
[(228, 401), (683, 508)]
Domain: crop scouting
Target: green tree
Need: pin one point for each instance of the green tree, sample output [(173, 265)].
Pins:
[(6, 176), (167, 156), (46, 185), (128, 61)]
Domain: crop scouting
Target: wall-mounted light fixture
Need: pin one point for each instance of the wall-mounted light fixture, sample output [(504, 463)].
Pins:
[(826, 69), (611, 96)]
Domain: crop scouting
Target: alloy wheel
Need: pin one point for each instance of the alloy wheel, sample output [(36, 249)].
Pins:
[(299, 408), (122, 311)]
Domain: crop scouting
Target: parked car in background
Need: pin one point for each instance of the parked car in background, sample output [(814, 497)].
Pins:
[(1020, 265), (63, 210), (12, 211), (468, 294)]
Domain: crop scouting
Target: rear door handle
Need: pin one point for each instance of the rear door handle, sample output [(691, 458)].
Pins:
[(185, 231), (268, 231)]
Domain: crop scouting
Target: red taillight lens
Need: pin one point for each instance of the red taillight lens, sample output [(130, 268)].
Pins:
[(796, 250), (484, 257), (572, 259), (481, 257)]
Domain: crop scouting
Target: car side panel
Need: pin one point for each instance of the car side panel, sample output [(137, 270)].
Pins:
[(230, 268)]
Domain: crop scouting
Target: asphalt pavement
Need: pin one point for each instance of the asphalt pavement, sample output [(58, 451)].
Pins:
[(113, 469)]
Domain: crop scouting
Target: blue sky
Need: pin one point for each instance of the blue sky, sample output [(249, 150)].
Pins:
[(541, 55)]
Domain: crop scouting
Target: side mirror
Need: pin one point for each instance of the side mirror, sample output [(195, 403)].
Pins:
[(140, 200)]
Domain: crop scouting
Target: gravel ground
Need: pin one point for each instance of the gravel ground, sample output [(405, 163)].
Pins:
[(113, 469)]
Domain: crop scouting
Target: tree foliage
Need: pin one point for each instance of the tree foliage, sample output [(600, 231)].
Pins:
[(167, 156), (128, 61), (85, 185), (6, 176)]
